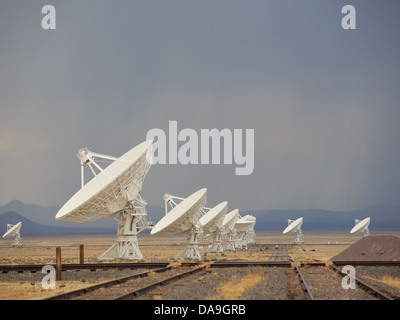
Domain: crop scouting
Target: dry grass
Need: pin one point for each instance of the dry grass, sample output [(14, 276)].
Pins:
[(315, 252), (388, 280), (235, 288), (27, 290)]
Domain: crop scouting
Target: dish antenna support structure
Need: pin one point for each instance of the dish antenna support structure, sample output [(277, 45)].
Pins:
[(113, 191), (211, 222), (361, 226), (229, 229), (182, 215), (294, 226), (13, 230)]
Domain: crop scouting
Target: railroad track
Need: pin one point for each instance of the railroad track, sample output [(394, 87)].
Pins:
[(131, 286), (33, 268), (229, 264), (305, 279), (138, 285), (146, 289), (321, 280), (279, 253)]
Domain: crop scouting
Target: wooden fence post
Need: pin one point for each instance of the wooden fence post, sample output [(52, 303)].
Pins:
[(81, 254), (58, 263)]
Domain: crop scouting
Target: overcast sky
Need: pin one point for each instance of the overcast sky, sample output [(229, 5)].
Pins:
[(323, 101)]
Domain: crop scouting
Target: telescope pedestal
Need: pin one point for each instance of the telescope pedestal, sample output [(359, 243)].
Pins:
[(230, 246), (16, 243), (130, 223), (215, 245), (126, 247), (298, 239), (191, 252)]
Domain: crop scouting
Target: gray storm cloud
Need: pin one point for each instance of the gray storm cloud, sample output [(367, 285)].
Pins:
[(323, 102)]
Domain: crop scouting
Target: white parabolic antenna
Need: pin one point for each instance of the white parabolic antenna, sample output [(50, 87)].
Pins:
[(13, 231), (184, 218), (211, 223), (242, 226), (294, 226), (229, 228), (361, 226), (113, 190), (250, 233)]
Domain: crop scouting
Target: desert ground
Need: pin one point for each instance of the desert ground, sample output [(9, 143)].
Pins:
[(42, 250)]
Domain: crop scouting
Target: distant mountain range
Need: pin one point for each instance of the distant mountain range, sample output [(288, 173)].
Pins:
[(39, 220), (383, 217)]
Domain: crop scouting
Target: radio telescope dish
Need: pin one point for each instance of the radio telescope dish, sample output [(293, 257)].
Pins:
[(211, 222), (184, 217), (242, 226), (250, 233), (361, 226), (113, 190), (13, 231), (228, 225), (294, 226)]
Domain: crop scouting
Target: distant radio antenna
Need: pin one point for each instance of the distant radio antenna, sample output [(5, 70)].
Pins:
[(361, 226), (13, 231), (294, 226)]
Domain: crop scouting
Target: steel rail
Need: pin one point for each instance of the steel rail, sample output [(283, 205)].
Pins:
[(79, 292), (135, 293), (366, 287), (91, 266), (303, 283), (227, 264), (363, 285), (366, 263)]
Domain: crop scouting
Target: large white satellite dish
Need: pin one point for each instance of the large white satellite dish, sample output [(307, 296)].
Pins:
[(113, 190), (361, 226), (228, 225), (294, 226), (242, 226), (13, 231), (211, 223), (249, 233), (184, 217)]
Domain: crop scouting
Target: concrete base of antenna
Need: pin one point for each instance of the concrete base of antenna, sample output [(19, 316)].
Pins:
[(16, 243), (126, 247), (215, 247), (240, 244), (191, 252), (298, 239)]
